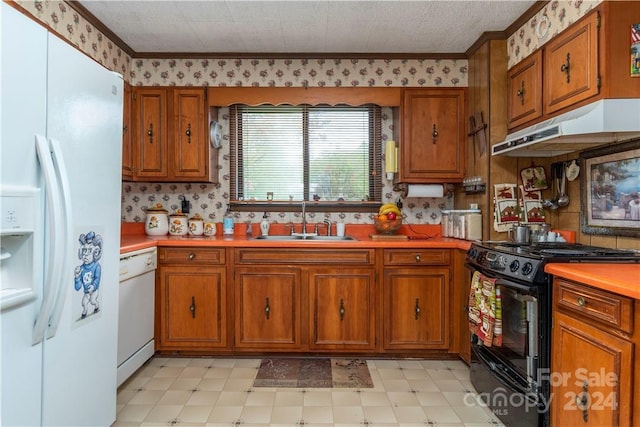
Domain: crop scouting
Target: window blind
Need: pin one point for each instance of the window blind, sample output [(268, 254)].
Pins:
[(328, 153)]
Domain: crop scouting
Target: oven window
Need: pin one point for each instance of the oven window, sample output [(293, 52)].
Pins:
[(514, 322)]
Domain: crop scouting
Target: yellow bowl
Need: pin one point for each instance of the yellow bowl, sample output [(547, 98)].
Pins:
[(389, 226)]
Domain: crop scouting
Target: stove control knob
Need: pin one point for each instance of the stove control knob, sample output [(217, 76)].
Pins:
[(514, 266), (527, 268), (472, 253)]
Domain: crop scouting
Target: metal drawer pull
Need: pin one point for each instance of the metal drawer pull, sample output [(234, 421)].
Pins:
[(341, 311), (582, 302), (417, 257), (434, 134), (566, 68), (188, 133), (267, 309), (192, 307), (417, 308), (582, 402), (192, 256), (150, 133)]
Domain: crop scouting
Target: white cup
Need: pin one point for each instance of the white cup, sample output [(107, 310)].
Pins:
[(551, 236), (340, 229)]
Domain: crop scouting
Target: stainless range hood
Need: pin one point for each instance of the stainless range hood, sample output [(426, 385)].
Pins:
[(599, 123)]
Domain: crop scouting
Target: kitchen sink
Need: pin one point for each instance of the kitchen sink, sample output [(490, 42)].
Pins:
[(308, 237)]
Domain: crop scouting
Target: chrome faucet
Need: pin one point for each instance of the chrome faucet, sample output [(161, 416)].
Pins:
[(304, 217), (329, 224)]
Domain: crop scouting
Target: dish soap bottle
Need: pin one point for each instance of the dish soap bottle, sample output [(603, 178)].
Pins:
[(264, 225), (227, 223)]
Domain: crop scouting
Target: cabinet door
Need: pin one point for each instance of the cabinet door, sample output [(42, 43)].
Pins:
[(524, 88), (592, 371), (267, 308), (571, 65), (342, 306), (433, 135), (127, 148), (150, 138), (192, 307), (189, 142), (416, 308)]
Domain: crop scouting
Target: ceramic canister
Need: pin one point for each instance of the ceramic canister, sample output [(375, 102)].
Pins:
[(178, 224), (196, 225), (157, 222), (209, 228)]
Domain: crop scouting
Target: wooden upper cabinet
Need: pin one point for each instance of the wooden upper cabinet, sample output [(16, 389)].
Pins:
[(571, 65), (433, 135), (127, 147), (190, 146), (524, 89), (171, 139), (150, 138)]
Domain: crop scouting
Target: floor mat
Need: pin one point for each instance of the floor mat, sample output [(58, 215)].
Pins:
[(313, 373)]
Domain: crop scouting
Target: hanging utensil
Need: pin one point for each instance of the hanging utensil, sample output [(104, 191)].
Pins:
[(551, 203), (563, 197)]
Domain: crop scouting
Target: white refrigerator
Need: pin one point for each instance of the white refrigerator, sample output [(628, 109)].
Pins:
[(60, 196)]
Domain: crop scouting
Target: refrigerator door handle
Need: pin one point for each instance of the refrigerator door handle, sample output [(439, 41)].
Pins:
[(62, 256), (54, 269)]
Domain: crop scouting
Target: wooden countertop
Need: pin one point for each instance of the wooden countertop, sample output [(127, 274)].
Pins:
[(423, 236), (623, 279)]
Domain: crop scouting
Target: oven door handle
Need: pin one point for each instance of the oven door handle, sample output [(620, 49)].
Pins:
[(510, 284)]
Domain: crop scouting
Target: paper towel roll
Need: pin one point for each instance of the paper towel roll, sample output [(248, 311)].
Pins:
[(425, 190), (390, 154)]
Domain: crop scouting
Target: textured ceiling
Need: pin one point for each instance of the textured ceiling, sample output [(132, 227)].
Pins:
[(311, 27)]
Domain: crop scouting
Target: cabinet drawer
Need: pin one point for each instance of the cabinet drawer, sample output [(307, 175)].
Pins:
[(416, 257), (597, 305), (191, 255), (304, 256)]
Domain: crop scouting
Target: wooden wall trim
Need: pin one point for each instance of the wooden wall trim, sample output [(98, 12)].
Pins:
[(225, 96)]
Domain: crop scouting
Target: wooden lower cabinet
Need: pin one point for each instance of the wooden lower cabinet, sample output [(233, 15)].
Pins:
[(191, 310), (267, 308), (416, 308), (192, 305), (592, 358), (319, 301), (342, 309)]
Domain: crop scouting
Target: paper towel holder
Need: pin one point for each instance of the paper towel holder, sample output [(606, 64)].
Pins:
[(403, 189)]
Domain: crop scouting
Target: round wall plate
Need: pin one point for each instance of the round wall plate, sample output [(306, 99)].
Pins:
[(215, 134), (572, 171)]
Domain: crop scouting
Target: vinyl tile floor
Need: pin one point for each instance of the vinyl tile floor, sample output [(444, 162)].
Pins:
[(216, 392)]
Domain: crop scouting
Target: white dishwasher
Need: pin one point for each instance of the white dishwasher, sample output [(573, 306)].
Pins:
[(136, 310)]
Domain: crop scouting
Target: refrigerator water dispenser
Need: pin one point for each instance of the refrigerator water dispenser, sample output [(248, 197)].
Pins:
[(20, 240)]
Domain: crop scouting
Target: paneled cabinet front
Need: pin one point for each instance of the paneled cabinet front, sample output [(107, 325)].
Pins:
[(524, 88), (191, 295), (433, 135), (416, 299), (171, 142), (571, 65), (593, 373), (342, 306), (416, 308), (267, 308)]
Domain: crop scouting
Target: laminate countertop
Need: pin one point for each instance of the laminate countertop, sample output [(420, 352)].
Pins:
[(418, 237), (623, 279)]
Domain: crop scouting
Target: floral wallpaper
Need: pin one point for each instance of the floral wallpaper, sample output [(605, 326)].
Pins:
[(555, 17), (299, 72), (210, 200), (64, 20)]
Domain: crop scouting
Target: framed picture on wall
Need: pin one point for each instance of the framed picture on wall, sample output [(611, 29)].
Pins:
[(610, 188)]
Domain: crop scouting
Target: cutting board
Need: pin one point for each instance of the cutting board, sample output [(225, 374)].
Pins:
[(388, 237)]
